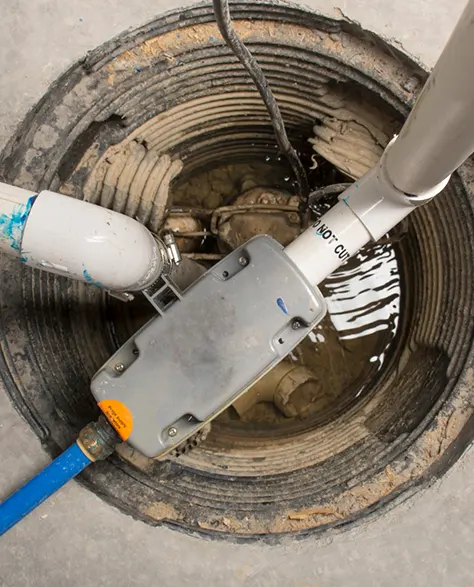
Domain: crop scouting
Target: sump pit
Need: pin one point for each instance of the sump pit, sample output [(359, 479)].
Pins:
[(173, 88)]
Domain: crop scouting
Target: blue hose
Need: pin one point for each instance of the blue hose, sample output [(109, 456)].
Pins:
[(71, 462)]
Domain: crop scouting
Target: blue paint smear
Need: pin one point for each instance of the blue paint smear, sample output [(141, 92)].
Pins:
[(281, 304), (24, 258), (12, 225), (89, 279)]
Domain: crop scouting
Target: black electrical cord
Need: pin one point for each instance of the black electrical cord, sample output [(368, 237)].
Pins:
[(327, 190), (224, 22)]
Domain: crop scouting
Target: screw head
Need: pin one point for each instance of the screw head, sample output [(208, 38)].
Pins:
[(243, 261), (168, 238), (172, 432), (297, 324), (119, 367)]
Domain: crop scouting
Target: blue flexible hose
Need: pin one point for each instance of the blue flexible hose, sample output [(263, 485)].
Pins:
[(71, 462)]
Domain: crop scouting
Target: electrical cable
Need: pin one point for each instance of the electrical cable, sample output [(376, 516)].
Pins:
[(327, 190), (224, 22)]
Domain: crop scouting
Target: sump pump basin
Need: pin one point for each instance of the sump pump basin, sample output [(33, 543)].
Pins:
[(174, 87)]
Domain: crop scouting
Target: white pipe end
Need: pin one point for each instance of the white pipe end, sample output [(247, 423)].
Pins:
[(15, 206), (88, 243)]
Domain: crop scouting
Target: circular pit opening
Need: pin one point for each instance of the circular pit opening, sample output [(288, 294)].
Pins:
[(164, 124)]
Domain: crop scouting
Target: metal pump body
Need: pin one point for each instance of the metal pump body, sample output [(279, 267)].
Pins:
[(208, 346)]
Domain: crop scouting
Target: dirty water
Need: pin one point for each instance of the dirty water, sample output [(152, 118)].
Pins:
[(350, 346)]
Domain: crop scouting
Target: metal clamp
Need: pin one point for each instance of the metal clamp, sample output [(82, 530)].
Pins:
[(170, 254), (161, 292), (98, 439)]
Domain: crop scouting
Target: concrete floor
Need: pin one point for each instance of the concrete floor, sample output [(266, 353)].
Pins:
[(75, 539)]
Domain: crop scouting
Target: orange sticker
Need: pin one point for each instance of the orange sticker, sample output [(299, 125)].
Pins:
[(118, 415)]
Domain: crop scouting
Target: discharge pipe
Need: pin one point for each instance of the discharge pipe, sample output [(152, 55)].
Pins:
[(436, 138)]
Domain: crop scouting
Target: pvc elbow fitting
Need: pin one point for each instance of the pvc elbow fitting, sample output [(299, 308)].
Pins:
[(78, 240)]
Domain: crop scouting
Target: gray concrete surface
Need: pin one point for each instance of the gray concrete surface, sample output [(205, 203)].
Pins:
[(75, 539)]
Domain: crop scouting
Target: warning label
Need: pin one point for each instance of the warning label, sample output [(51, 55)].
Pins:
[(328, 235), (118, 415)]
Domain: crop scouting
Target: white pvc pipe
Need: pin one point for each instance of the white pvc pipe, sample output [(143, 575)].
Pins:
[(367, 210), (92, 244), (15, 205), (328, 243), (439, 133), (436, 138)]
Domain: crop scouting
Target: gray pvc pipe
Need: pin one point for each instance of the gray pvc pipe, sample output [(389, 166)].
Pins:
[(439, 133)]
